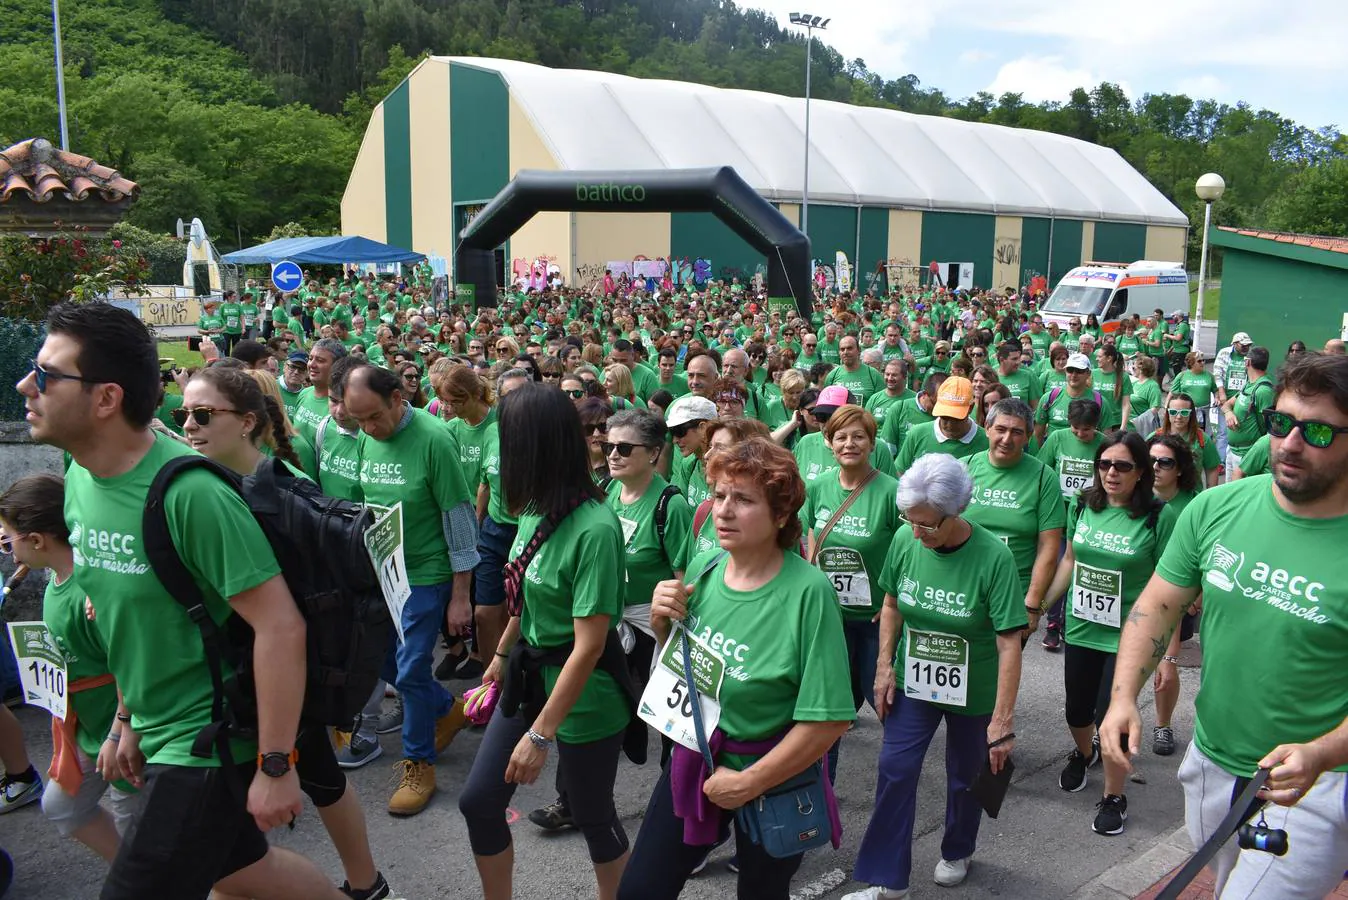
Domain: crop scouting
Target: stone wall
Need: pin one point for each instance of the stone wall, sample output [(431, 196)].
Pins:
[(20, 456)]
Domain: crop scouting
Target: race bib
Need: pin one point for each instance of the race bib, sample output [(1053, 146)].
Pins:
[(666, 704), (1097, 595), (936, 667), (1236, 379), (1075, 475), (42, 667), (384, 543), (846, 569)]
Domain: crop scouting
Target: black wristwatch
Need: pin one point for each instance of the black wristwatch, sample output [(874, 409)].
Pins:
[(274, 765)]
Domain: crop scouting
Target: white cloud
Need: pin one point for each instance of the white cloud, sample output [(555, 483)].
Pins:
[(1042, 78), (1204, 86), (975, 55)]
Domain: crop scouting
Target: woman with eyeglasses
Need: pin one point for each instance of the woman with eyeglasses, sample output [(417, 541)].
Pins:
[(226, 416), (1196, 381), (730, 396), (1119, 530), (573, 387), (1181, 420), (551, 370), (527, 364), (504, 347), (1176, 485), (940, 360), (410, 377), (950, 651), (594, 415)]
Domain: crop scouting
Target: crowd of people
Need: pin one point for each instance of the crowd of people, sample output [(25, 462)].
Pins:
[(694, 500)]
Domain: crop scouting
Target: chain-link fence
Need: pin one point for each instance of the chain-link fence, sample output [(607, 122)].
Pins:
[(19, 342)]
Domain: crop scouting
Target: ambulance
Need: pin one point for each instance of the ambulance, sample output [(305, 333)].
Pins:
[(1115, 291)]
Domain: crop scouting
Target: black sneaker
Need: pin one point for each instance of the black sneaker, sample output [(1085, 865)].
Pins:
[(378, 891), (444, 670), (733, 864), (1113, 812), (1052, 639), (1163, 740), (1073, 777), (468, 670), (556, 816), (1096, 758)]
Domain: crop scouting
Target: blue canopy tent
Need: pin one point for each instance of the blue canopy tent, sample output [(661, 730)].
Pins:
[(336, 250)]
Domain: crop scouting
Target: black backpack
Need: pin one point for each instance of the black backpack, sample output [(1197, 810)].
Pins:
[(319, 543)]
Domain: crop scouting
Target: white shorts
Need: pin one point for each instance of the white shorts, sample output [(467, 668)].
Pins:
[(1317, 835), (71, 813)]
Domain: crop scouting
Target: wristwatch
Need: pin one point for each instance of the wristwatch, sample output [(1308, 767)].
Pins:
[(274, 765), (538, 740)]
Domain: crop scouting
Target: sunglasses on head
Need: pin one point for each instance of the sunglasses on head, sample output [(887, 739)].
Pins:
[(623, 447), (41, 376), (1118, 465), (1164, 462), (201, 414), (1318, 434)]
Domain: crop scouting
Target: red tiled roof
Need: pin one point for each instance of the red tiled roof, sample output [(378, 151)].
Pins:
[(1334, 244), (38, 170)]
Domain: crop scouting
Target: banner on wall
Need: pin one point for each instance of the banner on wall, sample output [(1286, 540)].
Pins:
[(842, 271)]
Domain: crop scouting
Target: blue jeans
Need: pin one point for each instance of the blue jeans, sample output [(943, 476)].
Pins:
[(408, 666), (886, 854), (863, 646), (493, 550)]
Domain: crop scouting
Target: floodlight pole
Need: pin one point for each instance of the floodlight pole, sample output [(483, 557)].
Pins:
[(60, 75), (809, 23)]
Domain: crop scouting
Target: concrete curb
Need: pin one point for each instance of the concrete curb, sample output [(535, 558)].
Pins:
[(1129, 879)]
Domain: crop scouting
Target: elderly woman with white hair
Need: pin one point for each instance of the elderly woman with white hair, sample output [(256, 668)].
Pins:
[(950, 635)]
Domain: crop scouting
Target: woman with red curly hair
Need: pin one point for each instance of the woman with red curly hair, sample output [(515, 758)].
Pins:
[(767, 623)]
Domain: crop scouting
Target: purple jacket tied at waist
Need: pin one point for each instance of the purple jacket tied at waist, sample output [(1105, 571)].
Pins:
[(702, 818)]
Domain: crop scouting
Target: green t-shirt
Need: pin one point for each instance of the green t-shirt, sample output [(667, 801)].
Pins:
[(862, 383), (491, 477), (248, 309), (1072, 460), (1016, 504), (900, 420), (1255, 460), (1274, 631), (924, 439), (1111, 413), (1146, 395), (1023, 385), (1237, 376), (210, 324), (1249, 407), (828, 352), (310, 409), (577, 573), (783, 649), (881, 404), (1128, 345), (339, 463), (165, 412), (471, 439), (1199, 386), (154, 649), (419, 465), (306, 453), (953, 606), (689, 475), (232, 316), (290, 399), (1115, 557), (814, 457), (677, 386), (1054, 414), (649, 559), (854, 550), (86, 657), (1180, 343)]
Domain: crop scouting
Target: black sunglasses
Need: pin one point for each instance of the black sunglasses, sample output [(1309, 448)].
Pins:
[(1119, 465), (1318, 434), (595, 429), (1164, 462), (623, 447), (679, 431), (202, 414), (41, 376)]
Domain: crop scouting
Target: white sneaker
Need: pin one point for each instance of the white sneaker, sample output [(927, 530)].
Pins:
[(952, 872), (876, 892)]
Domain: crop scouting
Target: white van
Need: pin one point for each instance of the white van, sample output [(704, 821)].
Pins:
[(1113, 291)]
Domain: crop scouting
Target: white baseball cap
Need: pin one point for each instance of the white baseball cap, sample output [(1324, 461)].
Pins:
[(1241, 337), (1078, 361), (689, 408)]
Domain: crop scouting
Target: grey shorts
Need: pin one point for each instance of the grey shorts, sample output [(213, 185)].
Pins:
[(71, 813)]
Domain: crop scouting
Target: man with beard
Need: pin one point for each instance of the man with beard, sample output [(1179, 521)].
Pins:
[(1267, 553)]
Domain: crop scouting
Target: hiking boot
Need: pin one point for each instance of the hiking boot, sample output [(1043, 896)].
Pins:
[(1113, 812), (377, 891), (1163, 740), (416, 785), (449, 725), (556, 816), (15, 793), (1073, 777), (1052, 639), (357, 751), (392, 720), (950, 872)]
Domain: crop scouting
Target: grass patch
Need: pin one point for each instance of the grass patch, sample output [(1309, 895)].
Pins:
[(1212, 302), (182, 357)]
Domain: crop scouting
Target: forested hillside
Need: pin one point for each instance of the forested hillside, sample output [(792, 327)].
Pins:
[(248, 113)]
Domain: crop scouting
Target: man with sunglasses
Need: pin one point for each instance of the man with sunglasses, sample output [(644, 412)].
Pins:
[(687, 420), (809, 352), (1244, 411), (1267, 554), (92, 393)]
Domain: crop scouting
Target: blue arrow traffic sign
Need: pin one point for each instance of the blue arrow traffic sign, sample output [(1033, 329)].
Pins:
[(287, 276)]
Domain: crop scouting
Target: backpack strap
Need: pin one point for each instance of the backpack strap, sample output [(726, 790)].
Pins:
[(168, 566), (662, 513), (700, 516), (1053, 395)]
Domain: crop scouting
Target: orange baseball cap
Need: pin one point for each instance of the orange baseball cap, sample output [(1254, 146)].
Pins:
[(955, 398)]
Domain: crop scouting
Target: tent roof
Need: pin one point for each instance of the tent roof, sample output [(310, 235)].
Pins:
[(334, 250), (861, 155)]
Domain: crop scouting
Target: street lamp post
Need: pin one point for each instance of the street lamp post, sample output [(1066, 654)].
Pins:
[(60, 75), (1209, 188), (809, 23)]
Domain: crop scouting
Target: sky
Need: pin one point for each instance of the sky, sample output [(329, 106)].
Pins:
[(1286, 56)]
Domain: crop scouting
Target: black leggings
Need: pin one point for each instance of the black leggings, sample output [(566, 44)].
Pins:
[(320, 776), (1089, 675), (661, 862), (587, 774)]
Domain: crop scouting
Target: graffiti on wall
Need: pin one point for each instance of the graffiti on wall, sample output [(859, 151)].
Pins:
[(1006, 263)]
